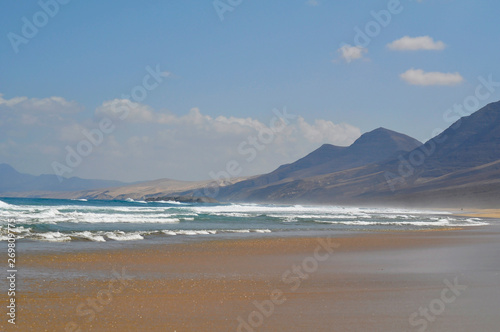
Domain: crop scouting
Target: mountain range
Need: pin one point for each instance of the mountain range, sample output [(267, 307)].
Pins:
[(13, 181), (376, 146), (458, 168)]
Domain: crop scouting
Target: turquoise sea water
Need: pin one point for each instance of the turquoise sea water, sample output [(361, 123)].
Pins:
[(62, 221)]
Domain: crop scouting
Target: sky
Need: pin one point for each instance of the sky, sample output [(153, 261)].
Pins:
[(193, 90)]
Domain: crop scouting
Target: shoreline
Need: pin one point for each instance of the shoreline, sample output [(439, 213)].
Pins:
[(354, 281), (480, 213)]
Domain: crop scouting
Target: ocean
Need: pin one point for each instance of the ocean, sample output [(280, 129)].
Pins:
[(96, 221)]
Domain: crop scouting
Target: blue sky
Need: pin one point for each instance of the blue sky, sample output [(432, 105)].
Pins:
[(263, 55)]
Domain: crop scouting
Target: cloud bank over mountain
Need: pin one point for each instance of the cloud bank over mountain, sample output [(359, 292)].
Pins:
[(35, 133)]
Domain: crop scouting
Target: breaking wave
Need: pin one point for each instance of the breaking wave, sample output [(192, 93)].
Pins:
[(103, 221)]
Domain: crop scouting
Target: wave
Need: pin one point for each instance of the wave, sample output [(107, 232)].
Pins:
[(65, 220), (4, 205), (308, 210), (211, 232), (104, 236), (97, 214), (88, 236), (134, 201), (51, 237), (54, 216), (122, 236), (170, 202), (444, 222), (20, 232)]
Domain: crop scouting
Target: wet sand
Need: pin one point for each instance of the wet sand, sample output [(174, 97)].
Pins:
[(481, 213), (388, 281)]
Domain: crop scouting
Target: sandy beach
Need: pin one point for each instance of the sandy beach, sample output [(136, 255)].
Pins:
[(388, 281), (481, 213)]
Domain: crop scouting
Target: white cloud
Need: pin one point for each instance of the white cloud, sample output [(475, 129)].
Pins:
[(318, 132), (419, 77), (408, 43), (11, 102), (148, 144), (322, 131), (350, 53), (71, 132), (34, 131), (52, 105), (23, 113), (128, 111), (191, 145), (221, 124), (125, 110)]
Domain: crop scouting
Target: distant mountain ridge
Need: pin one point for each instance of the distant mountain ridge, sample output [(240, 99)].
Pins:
[(461, 166), (13, 181), (375, 146)]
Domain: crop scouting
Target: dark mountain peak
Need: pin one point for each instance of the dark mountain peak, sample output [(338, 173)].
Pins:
[(491, 107), (385, 140), (489, 113), (324, 153), (325, 150), (381, 131), (375, 146), (471, 141), (480, 125), (326, 146)]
